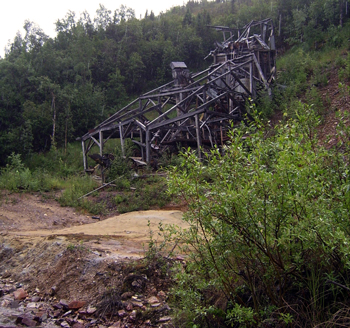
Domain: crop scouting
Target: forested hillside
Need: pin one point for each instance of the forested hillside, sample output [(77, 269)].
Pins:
[(54, 90)]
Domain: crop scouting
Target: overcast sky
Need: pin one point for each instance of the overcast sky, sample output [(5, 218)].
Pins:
[(45, 13)]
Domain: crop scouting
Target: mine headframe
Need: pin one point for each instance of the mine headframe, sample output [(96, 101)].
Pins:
[(195, 109)]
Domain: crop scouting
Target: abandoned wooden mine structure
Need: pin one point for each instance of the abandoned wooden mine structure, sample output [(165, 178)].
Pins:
[(195, 109)]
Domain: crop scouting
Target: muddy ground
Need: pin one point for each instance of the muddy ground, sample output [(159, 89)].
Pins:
[(58, 255)]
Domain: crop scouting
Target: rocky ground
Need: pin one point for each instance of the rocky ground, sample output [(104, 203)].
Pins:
[(62, 268)]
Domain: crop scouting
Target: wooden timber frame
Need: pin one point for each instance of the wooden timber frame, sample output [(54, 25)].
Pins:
[(195, 109)]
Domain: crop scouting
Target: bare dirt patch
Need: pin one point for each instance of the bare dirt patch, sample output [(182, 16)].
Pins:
[(60, 255)]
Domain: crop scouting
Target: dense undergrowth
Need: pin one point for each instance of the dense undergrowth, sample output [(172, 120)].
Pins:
[(270, 232)]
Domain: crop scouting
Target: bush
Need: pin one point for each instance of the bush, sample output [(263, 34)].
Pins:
[(269, 224)]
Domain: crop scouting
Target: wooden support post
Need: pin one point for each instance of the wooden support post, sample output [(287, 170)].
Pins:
[(101, 154), (84, 154), (251, 79), (148, 146), (221, 134), (141, 140), (198, 136), (121, 138)]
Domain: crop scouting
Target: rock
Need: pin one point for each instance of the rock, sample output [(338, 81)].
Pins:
[(137, 284), (26, 320), (65, 324), (35, 299), (153, 291), (40, 317), (137, 304), (126, 295), (133, 315), (20, 294), (161, 295), (116, 325), (153, 300), (164, 319), (121, 313), (14, 305), (53, 290), (64, 303), (129, 307), (33, 305), (67, 313), (75, 305), (57, 306), (56, 313), (29, 322), (91, 310), (155, 305), (78, 325)]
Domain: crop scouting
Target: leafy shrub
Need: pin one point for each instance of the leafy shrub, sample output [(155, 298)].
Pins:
[(344, 73), (269, 225)]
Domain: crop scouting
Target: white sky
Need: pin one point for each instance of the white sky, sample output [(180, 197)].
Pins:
[(45, 13)]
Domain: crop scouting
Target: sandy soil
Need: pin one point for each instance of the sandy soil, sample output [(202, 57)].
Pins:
[(34, 217)]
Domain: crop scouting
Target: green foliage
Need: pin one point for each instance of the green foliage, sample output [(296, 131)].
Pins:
[(314, 99), (296, 68), (344, 72), (15, 176), (242, 315), (121, 165), (145, 193), (270, 215)]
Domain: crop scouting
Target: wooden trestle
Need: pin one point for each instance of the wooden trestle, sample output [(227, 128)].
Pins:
[(195, 109)]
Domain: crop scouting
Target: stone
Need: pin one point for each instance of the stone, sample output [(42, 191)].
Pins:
[(75, 305), (26, 320), (126, 295), (164, 319), (56, 313), (129, 307), (35, 299), (133, 315), (116, 325), (153, 300), (29, 322), (67, 313), (121, 313), (57, 306), (91, 310), (78, 325), (40, 316), (137, 304), (154, 305), (20, 294), (14, 305), (161, 295), (33, 305), (64, 303), (65, 324), (53, 290)]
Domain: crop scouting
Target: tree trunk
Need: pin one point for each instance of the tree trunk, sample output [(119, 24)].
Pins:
[(53, 106)]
